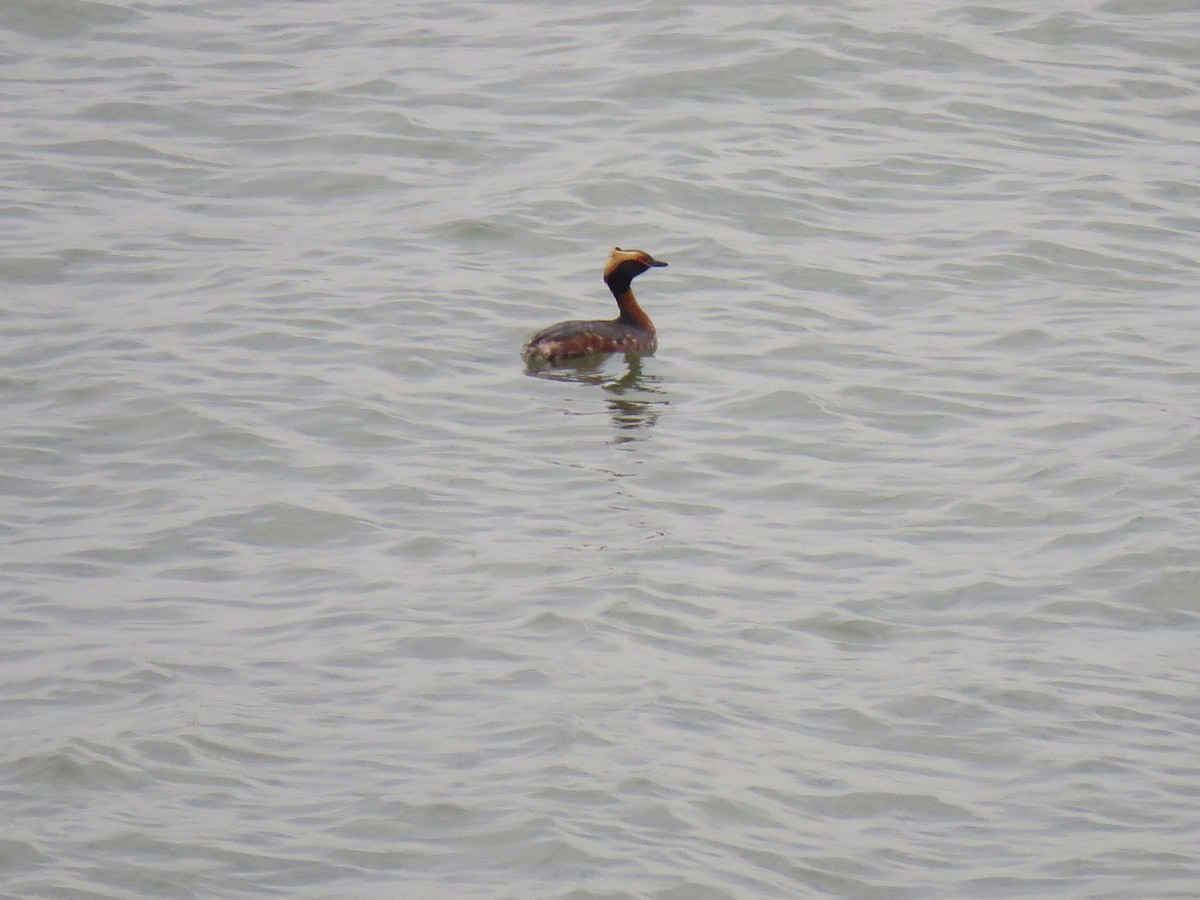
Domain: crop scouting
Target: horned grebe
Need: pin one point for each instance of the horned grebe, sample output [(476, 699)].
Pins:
[(631, 331)]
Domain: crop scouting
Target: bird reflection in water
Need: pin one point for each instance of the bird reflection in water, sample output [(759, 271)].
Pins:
[(634, 400)]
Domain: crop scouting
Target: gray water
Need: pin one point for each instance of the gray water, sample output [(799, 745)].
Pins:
[(880, 580)]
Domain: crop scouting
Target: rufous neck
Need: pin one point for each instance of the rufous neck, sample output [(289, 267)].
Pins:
[(631, 313)]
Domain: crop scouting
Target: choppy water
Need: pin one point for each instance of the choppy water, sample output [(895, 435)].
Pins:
[(880, 580)]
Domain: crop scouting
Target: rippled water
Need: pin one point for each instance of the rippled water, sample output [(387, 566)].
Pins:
[(880, 580)]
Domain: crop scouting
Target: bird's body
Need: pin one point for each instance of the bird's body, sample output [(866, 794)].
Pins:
[(630, 332)]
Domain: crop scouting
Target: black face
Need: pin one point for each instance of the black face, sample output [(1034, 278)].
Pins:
[(618, 279)]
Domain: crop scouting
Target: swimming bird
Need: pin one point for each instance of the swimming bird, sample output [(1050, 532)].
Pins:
[(630, 332)]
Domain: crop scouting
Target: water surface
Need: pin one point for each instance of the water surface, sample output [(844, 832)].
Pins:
[(879, 580)]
